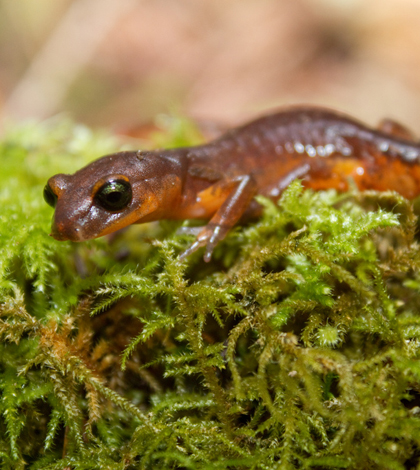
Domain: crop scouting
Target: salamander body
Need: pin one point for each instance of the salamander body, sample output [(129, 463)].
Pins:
[(217, 181)]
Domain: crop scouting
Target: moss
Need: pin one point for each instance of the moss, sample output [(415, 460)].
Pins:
[(297, 346)]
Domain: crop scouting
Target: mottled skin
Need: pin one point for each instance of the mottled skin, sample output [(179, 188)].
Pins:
[(218, 181)]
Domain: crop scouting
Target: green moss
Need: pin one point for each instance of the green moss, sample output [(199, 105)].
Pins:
[(297, 346)]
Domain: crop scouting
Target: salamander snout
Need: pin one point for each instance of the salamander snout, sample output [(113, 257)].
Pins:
[(65, 225), (61, 232)]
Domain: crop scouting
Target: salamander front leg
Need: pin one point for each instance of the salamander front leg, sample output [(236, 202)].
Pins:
[(240, 191), (210, 236)]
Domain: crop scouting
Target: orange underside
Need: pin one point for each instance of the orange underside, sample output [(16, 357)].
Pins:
[(383, 175)]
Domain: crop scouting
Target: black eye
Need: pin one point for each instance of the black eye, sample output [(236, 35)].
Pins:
[(114, 195), (49, 196)]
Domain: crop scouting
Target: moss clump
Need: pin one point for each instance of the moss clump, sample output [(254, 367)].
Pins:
[(297, 346)]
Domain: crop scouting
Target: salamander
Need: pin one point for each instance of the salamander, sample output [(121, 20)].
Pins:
[(217, 181)]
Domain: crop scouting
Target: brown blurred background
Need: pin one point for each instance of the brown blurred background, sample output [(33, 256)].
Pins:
[(121, 62)]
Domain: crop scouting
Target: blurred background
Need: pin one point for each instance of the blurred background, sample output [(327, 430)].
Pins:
[(119, 63)]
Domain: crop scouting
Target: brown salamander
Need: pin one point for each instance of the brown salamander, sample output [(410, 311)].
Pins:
[(217, 181)]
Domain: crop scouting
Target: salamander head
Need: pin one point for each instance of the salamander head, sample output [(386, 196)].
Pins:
[(108, 194)]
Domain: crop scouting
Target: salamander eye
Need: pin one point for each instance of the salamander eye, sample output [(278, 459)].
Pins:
[(114, 195), (49, 196)]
